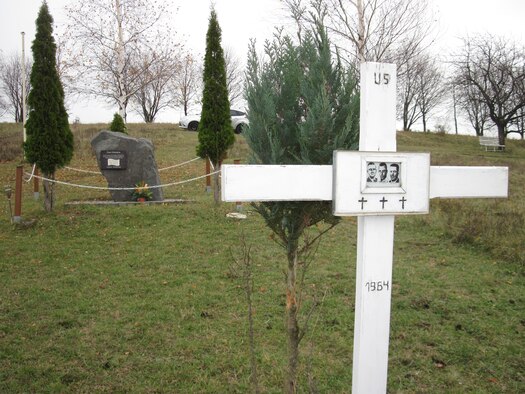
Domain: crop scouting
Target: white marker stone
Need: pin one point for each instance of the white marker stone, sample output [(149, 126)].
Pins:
[(374, 184)]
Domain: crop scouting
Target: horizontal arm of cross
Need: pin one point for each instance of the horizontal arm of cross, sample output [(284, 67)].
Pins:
[(314, 182)]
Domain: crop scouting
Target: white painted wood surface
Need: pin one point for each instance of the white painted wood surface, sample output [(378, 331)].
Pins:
[(314, 183), (276, 183), (465, 182), (375, 237)]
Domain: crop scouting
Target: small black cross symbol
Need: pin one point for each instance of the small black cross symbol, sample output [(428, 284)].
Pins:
[(362, 201), (383, 201), (403, 202)]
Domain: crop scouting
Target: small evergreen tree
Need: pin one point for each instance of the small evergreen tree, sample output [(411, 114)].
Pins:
[(118, 124), (215, 130), (49, 142), (302, 107)]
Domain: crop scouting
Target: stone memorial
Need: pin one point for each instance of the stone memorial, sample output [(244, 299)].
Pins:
[(126, 161), (374, 184)]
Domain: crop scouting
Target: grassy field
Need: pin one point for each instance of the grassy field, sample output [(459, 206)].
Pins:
[(144, 298)]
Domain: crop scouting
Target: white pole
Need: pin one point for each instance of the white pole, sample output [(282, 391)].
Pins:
[(24, 85)]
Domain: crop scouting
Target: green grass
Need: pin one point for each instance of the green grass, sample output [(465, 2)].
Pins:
[(141, 298)]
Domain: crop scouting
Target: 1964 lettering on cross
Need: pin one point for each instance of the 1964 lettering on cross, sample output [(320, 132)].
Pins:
[(374, 184)]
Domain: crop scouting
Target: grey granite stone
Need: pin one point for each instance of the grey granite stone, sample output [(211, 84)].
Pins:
[(140, 166)]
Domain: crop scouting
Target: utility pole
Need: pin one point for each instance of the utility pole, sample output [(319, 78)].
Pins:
[(24, 85)]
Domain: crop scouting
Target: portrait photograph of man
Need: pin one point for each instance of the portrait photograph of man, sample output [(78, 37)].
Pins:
[(371, 171)]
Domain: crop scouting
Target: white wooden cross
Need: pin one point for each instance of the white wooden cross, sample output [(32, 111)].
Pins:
[(374, 184)]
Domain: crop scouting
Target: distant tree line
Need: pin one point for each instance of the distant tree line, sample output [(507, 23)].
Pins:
[(123, 53), (484, 81), (127, 56)]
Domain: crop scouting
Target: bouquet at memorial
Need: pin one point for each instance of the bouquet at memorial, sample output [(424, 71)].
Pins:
[(142, 192)]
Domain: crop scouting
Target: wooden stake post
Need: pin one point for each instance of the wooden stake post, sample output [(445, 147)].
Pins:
[(208, 177), (374, 184), (17, 218), (36, 188)]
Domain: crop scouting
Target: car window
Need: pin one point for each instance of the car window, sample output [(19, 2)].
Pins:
[(236, 113)]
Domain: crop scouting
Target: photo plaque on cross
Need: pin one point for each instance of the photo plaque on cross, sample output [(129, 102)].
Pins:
[(387, 184)]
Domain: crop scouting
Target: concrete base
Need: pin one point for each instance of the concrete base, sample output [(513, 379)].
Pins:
[(110, 202)]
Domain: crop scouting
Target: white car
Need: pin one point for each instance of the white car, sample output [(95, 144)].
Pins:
[(239, 120)]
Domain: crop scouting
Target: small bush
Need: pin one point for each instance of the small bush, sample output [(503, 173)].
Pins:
[(118, 124), (441, 129)]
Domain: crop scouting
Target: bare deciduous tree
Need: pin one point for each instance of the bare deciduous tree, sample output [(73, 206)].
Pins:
[(104, 38), (430, 87), (517, 125), (421, 88), (468, 100), (234, 76), (11, 84), (369, 30), (494, 68), (187, 83), (407, 94), (154, 93)]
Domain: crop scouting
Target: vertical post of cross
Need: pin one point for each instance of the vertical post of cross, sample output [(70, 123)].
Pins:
[(375, 237)]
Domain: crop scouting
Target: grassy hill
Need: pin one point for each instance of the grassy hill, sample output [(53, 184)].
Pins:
[(147, 298)]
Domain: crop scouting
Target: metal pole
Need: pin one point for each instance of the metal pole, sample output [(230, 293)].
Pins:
[(24, 85)]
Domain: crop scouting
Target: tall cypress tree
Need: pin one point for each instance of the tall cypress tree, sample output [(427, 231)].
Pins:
[(302, 106), (49, 142), (215, 129)]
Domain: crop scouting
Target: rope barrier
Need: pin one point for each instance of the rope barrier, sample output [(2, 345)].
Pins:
[(119, 188), (32, 175), (160, 169), (179, 165), (80, 170)]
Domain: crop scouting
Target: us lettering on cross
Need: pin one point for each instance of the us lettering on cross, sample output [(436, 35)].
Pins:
[(375, 184)]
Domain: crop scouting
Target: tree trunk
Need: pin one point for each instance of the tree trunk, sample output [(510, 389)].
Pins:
[(216, 184), (292, 326), (501, 133), (49, 196), (361, 31), (405, 119), (121, 60), (424, 119)]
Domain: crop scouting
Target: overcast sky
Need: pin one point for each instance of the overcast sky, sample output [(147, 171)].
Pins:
[(241, 20)]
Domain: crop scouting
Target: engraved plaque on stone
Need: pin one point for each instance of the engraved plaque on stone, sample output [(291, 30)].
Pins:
[(113, 160)]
